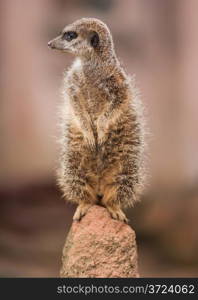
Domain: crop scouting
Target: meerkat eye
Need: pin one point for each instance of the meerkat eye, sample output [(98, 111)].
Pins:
[(69, 35)]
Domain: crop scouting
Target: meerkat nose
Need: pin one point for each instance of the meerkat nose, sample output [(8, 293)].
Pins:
[(50, 44)]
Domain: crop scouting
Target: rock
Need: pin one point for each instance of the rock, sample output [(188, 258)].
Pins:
[(99, 246)]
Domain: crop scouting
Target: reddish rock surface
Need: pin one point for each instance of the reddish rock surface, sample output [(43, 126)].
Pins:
[(99, 246)]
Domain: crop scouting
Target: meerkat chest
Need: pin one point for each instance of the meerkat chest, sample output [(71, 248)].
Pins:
[(94, 100), (86, 95)]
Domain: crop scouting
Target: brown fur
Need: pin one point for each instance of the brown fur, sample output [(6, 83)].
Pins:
[(102, 138)]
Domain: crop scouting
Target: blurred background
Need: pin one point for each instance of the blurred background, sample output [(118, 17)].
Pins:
[(158, 41)]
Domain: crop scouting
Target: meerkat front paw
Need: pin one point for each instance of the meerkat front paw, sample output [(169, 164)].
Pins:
[(117, 214), (81, 211), (89, 139), (101, 130), (101, 137)]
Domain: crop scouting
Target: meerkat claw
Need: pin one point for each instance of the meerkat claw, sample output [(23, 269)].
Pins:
[(117, 214), (81, 211)]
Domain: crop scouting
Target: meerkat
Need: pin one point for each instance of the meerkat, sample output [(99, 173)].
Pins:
[(102, 137)]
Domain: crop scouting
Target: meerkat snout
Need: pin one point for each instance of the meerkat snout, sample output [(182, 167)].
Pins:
[(50, 45), (83, 38)]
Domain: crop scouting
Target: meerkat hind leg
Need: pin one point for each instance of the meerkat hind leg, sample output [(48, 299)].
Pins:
[(81, 211), (85, 203), (116, 213), (113, 208)]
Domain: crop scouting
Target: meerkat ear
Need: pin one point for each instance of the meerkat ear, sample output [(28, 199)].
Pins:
[(94, 39)]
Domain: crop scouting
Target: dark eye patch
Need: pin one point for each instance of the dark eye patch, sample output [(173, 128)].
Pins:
[(69, 35)]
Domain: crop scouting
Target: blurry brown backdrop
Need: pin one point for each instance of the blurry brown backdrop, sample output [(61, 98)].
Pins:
[(158, 41)]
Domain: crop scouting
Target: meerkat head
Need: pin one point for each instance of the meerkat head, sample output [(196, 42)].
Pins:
[(85, 37)]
